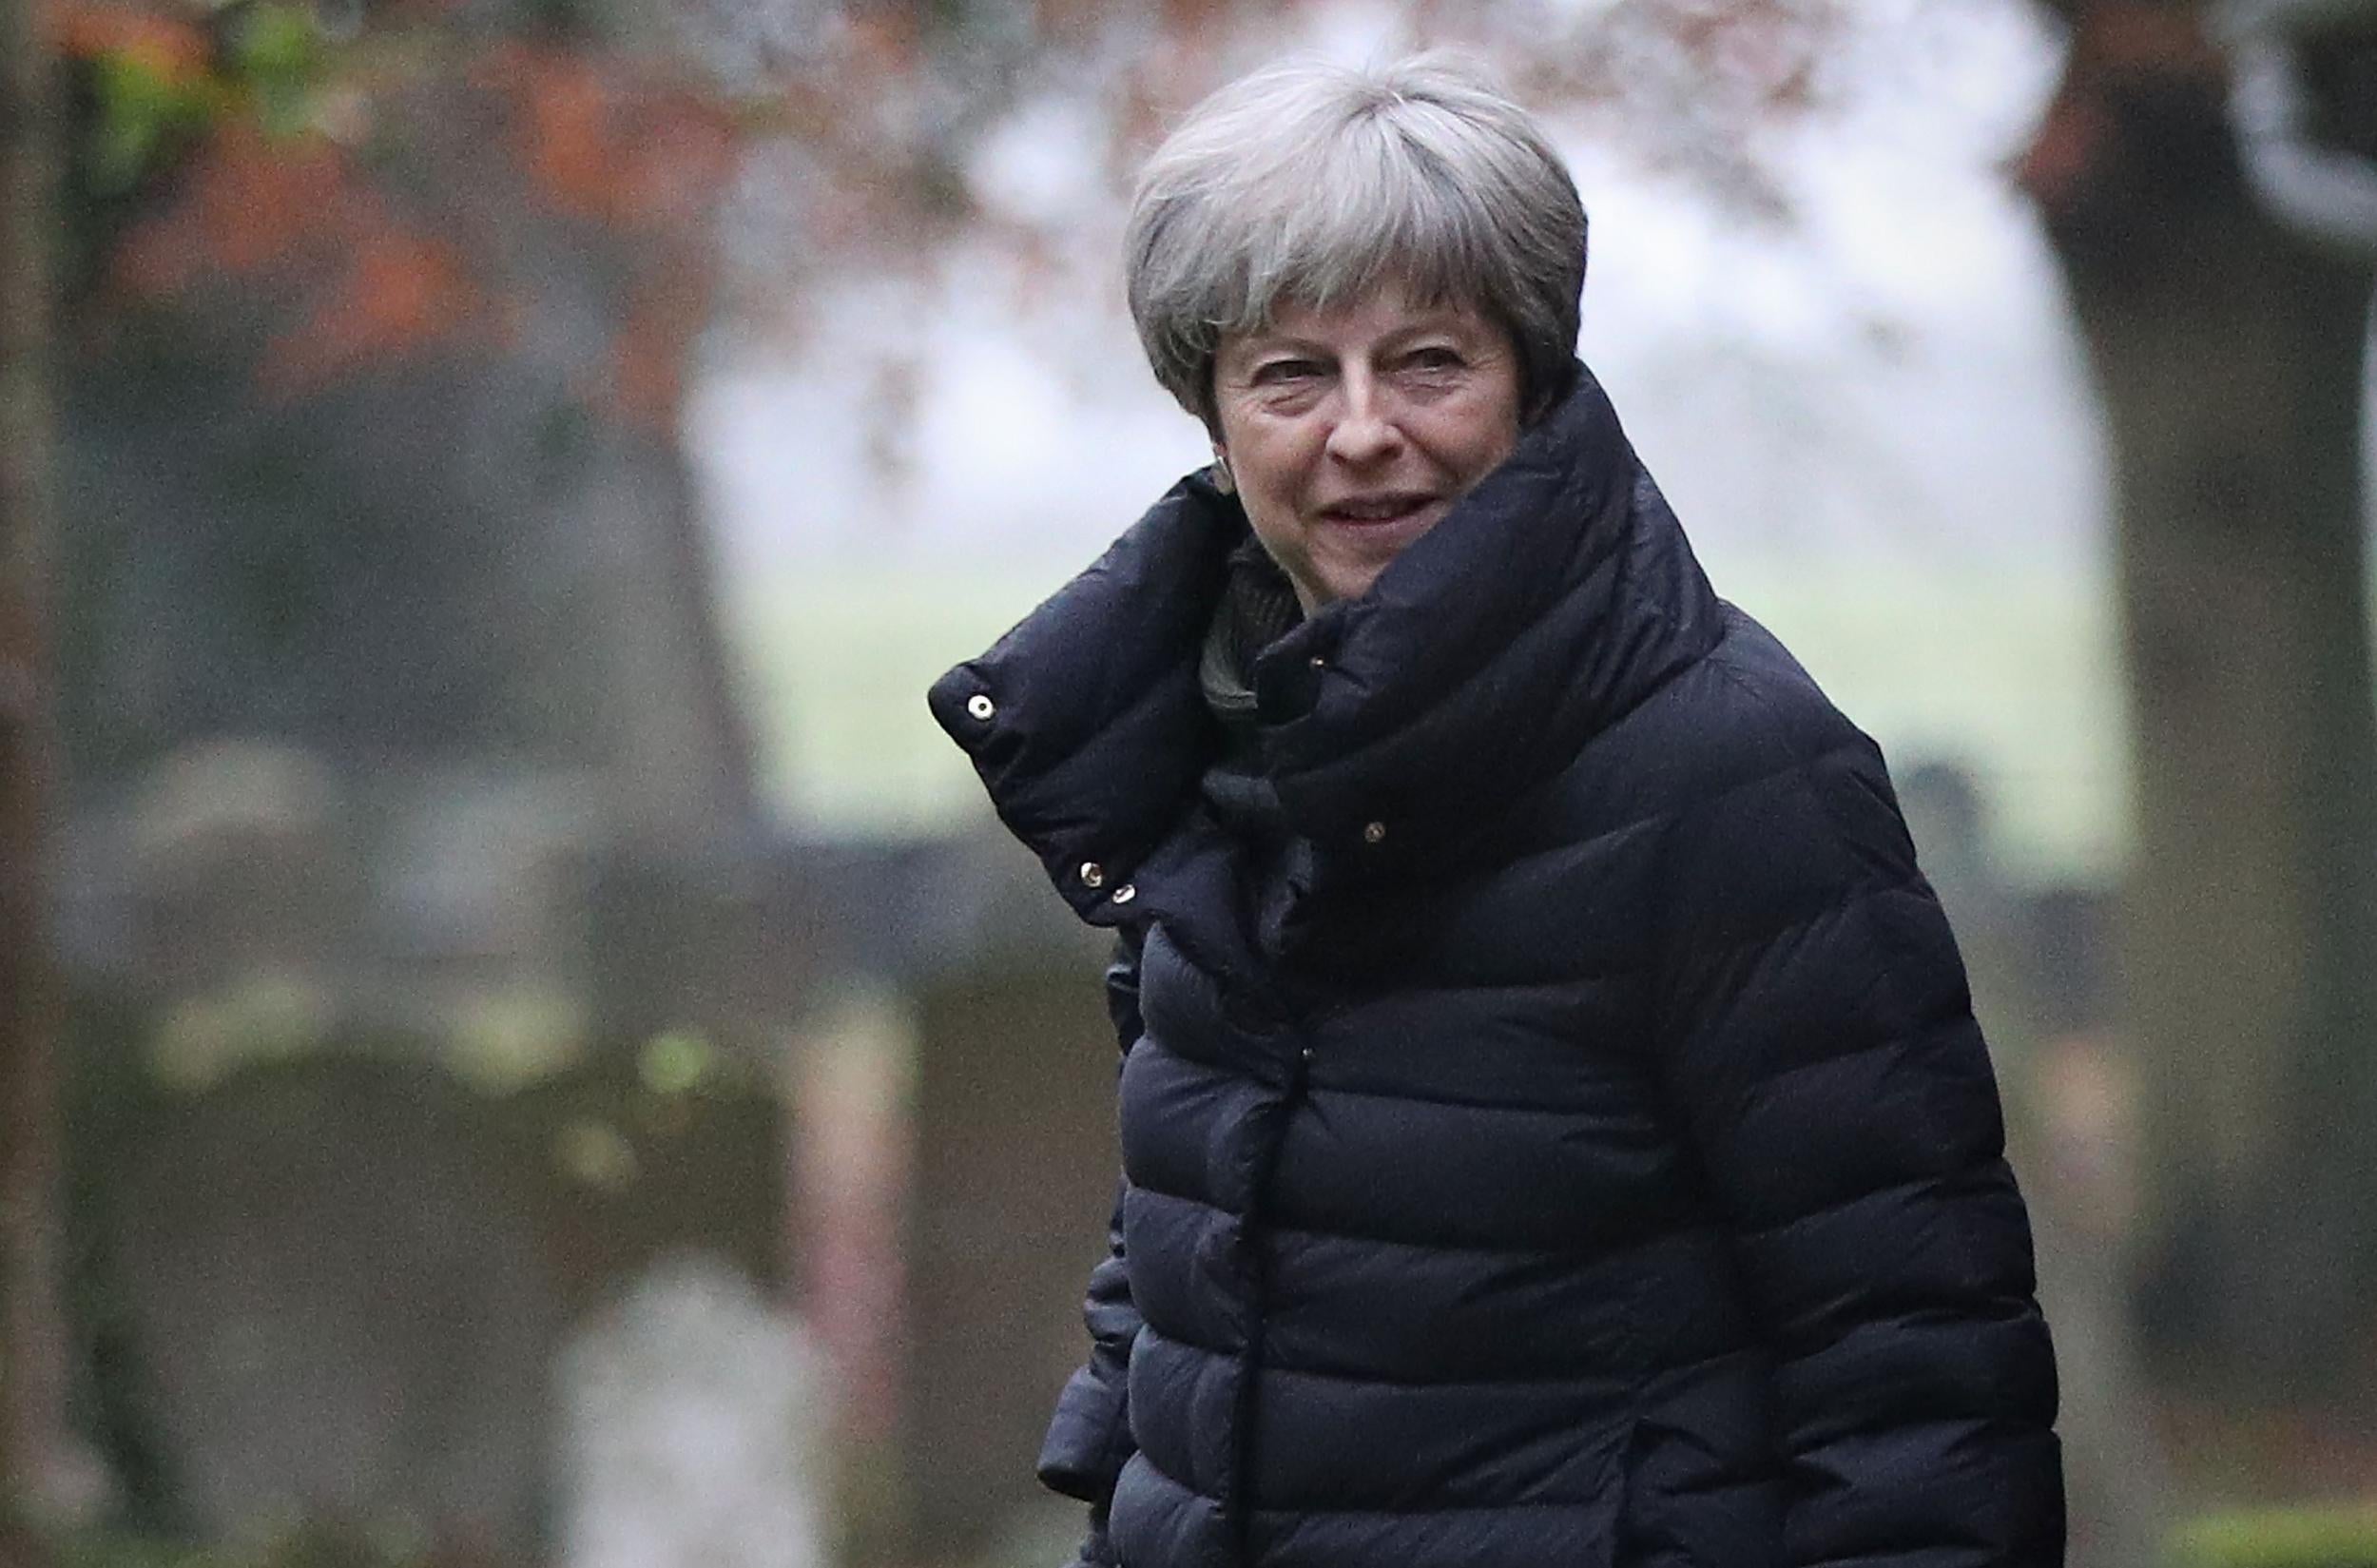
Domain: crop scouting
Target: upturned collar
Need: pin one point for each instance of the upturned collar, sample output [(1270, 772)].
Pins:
[(1395, 725)]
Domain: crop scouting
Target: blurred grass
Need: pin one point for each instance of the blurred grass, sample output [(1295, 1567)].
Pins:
[(122, 1552), (2279, 1537), (308, 1545)]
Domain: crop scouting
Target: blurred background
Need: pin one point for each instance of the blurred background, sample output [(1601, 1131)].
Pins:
[(523, 1046)]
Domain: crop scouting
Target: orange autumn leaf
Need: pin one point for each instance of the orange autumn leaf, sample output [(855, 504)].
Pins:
[(2140, 37), (399, 293), (166, 47), (2063, 152), (249, 202), (884, 40), (647, 360), (1192, 16), (600, 148), (568, 107), (674, 168)]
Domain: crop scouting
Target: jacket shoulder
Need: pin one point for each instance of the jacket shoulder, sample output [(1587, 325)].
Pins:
[(1743, 717), (1767, 701), (1779, 805)]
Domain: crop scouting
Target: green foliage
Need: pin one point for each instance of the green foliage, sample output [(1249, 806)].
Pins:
[(142, 115), (276, 62), (146, 110), (2279, 1537)]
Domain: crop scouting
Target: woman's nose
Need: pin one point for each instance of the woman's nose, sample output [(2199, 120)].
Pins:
[(1366, 431)]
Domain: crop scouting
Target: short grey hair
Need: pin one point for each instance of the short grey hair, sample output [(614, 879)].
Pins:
[(1309, 182)]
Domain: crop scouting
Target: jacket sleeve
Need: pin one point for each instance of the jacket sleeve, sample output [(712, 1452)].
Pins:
[(1822, 1050), (1090, 1436)]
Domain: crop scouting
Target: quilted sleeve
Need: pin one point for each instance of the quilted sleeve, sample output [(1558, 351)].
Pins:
[(1821, 1049), (1088, 1437)]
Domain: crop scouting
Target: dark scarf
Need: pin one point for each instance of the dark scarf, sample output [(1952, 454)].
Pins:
[(1257, 608)]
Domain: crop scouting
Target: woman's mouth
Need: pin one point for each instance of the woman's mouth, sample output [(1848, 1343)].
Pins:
[(1367, 510)]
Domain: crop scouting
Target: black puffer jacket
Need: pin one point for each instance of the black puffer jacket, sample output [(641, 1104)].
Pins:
[(1554, 1126)]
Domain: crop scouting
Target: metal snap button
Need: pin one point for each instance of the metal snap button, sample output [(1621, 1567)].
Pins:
[(1092, 874), (1126, 893), (980, 705), (1374, 833)]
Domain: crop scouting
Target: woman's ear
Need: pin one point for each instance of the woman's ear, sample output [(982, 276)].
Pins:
[(1223, 481)]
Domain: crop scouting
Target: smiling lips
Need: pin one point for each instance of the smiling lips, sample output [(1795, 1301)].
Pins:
[(1361, 510)]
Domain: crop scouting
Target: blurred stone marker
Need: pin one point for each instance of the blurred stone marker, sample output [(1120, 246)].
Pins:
[(244, 900), (1013, 1181), (692, 1427), (340, 1309)]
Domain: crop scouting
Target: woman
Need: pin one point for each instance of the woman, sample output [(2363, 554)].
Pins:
[(1554, 1125)]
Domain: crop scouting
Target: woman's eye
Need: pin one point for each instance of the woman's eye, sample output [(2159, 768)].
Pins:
[(1278, 370), (1433, 357)]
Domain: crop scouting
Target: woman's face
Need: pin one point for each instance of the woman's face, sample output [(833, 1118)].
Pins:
[(1350, 432)]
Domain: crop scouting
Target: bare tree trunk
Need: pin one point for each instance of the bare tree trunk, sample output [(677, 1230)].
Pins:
[(34, 1448), (2229, 358)]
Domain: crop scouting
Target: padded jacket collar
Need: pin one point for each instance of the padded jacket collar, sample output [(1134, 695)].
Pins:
[(1556, 595)]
